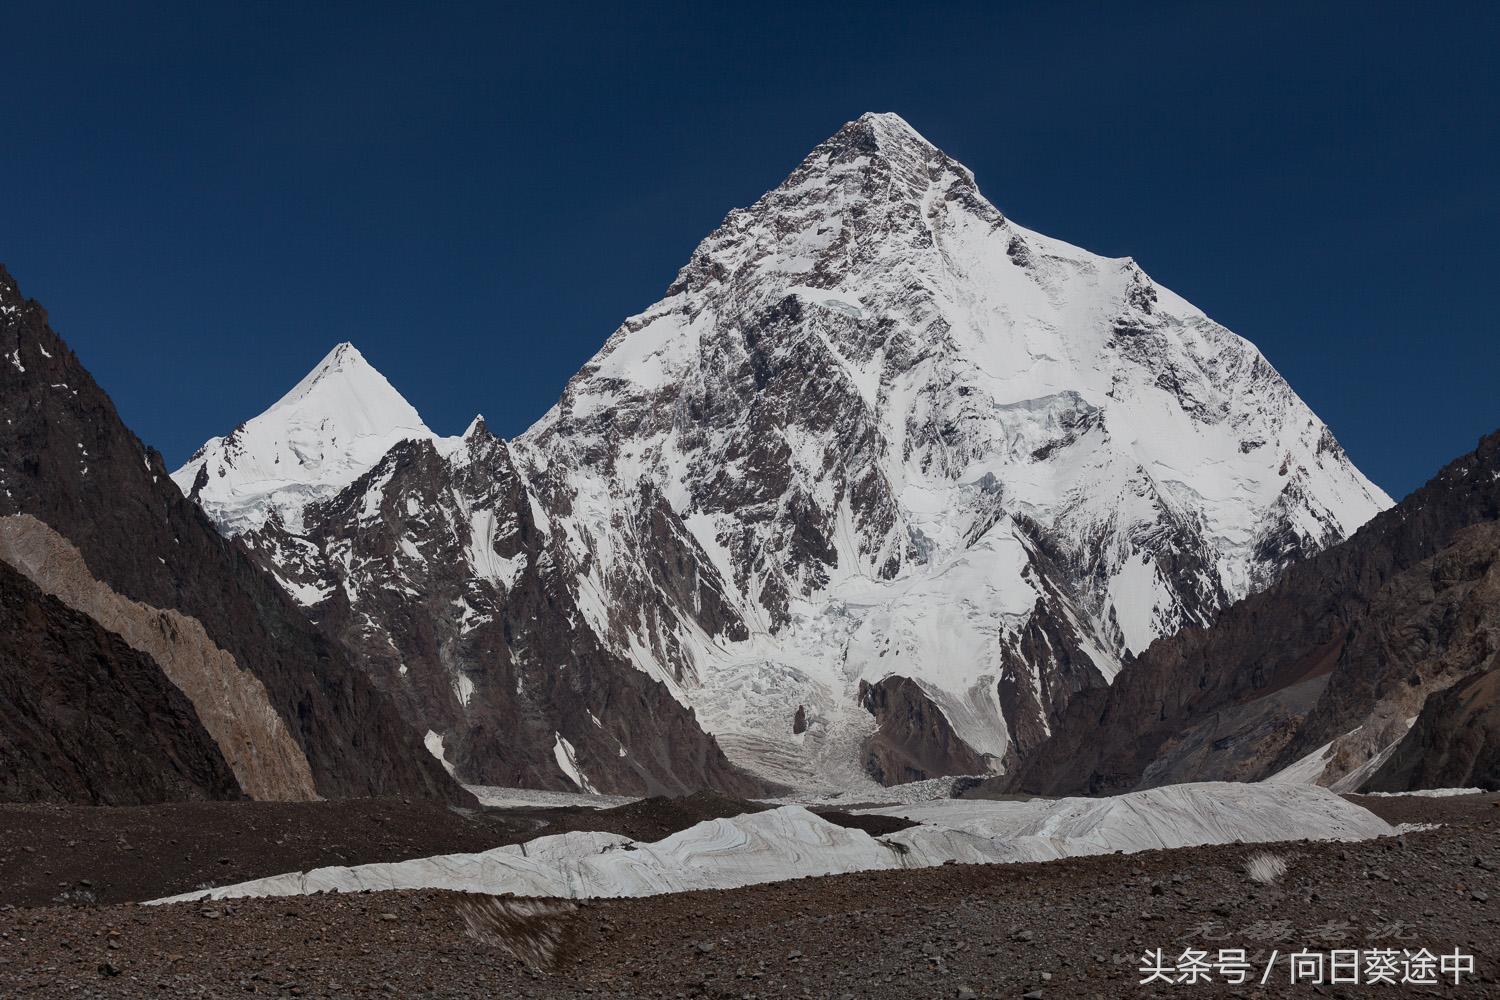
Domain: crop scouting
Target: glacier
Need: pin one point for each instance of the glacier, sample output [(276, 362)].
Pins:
[(790, 842)]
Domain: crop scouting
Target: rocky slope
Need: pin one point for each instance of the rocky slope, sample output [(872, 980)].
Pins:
[(438, 576), (67, 460), (85, 718), (1455, 742), (880, 485), (230, 701), (1319, 676)]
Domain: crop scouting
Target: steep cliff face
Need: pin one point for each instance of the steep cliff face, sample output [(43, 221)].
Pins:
[(229, 701), (86, 719), (874, 432), (913, 739), (68, 460), (1320, 674)]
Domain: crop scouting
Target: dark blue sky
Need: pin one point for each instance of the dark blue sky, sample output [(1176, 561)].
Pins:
[(208, 196)]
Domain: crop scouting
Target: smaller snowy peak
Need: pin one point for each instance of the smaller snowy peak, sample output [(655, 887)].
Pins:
[(332, 427), (346, 394), (476, 437)]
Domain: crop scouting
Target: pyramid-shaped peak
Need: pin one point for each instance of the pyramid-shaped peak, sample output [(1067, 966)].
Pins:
[(335, 424), (883, 145), (344, 359), (881, 132), (343, 353), (348, 381), (890, 124)]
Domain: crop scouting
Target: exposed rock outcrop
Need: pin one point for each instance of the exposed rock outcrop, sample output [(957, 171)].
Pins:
[(1455, 742), (230, 702), (86, 719), (914, 740)]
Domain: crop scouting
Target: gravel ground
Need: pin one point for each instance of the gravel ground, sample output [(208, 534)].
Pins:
[(1074, 928), (108, 854)]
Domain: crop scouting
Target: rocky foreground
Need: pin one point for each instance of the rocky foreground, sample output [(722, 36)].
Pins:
[(1075, 928)]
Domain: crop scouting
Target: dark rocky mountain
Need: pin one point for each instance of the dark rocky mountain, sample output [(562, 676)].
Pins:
[(491, 661), (1321, 673), (912, 740), (86, 719), (67, 460), (229, 700)]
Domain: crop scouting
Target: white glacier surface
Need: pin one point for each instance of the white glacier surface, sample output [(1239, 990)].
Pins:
[(789, 842)]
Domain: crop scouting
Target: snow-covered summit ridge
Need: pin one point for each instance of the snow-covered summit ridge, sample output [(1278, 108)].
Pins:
[(333, 426)]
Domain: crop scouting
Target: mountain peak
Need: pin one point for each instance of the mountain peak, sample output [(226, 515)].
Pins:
[(333, 425), (344, 366), (881, 135), (343, 353), (887, 125), (476, 426)]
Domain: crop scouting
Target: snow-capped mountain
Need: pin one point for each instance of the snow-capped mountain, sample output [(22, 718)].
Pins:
[(879, 484), (334, 424)]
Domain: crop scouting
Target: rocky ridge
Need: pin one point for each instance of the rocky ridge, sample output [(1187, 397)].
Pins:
[(68, 461), (230, 701), (1318, 677), (84, 718)]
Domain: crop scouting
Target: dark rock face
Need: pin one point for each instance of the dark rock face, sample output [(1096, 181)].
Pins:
[(1352, 639), (468, 623), (915, 740), (68, 460), (1454, 744), (230, 702), (1044, 663), (86, 719)]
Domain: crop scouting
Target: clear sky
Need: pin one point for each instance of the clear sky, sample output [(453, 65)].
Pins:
[(206, 197)]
